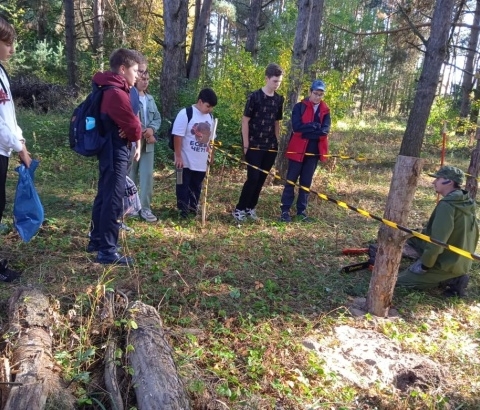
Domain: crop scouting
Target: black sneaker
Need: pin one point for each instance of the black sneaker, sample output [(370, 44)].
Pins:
[(285, 217), (457, 287), (114, 258), (302, 217), (7, 275)]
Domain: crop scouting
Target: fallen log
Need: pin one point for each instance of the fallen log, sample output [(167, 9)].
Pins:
[(33, 369), (155, 377)]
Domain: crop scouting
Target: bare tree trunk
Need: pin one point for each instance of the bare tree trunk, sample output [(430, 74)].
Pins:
[(195, 57), (98, 31), (175, 13), (313, 41), (405, 178), (253, 26), (35, 368), (296, 77), (436, 51), (156, 380), (474, 167), (71, 45), (389, 253)]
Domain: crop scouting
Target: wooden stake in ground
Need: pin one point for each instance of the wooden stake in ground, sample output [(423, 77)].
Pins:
[(155, 377), (210, 159), (32, 361), (390, 241)]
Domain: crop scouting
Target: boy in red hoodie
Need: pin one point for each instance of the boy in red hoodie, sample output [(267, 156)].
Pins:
[(121, 127), (309, 143)]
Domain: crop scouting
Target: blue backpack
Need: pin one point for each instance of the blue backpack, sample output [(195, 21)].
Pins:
[(86, 134)]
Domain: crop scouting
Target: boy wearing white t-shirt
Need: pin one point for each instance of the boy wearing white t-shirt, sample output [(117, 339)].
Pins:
[(191, 139)]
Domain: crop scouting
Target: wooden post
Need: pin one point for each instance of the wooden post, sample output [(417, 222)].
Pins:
[(209, 163), (390, 241), (155, 377)]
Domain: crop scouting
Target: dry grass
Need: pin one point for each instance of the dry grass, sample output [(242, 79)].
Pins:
[(238, 300)]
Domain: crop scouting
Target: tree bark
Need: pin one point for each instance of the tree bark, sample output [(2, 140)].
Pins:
[(156, 380), (253, 27), (35, 368), (313, 40), (174, 72), (71, 45), (389, 253), (296, 77), (98, 31), (194, 62), (436, 52), (473, 169)]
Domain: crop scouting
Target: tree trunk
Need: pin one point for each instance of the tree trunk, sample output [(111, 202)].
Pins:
[(195, 57), (98, 31), (296, 77), (71, 44), (436, 51), (157, 383), (175, 13), (474, 167), (253, 25), (313, 41), (390, 240), (405, 177), (31, 343)]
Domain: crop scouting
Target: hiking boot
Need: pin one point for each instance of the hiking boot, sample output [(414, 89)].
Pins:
[(285, 217), (126, 228), (302, 217), (7, 275), (457, 287), (252, 214), (239, 215), (113, 258), (147, 215)]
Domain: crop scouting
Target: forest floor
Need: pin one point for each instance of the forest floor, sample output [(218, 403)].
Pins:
[(258, 313)]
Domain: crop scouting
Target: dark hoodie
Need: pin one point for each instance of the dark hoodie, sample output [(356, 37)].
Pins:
[(453, 221), (116, 105)]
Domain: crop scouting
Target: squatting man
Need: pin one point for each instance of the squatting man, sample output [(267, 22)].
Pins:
[(454, 222)]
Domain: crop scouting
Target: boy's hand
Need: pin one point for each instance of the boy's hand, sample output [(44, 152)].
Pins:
[(25, 157), (138, 150), (122, 134), (178, 161), (148, 135)]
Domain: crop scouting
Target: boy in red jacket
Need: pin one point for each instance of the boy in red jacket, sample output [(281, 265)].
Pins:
[(311, 124), (121, 126)]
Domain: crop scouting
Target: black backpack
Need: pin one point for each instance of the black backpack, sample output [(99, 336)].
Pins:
[(86, 134)]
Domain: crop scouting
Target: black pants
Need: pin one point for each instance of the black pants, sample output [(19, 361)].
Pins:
[(255, 179), (3, 182), (188, 193), (107, 209)]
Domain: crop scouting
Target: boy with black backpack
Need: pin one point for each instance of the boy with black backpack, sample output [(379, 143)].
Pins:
[(121, 126), (192, 135)]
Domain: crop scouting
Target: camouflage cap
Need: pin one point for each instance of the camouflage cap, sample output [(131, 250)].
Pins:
[(452, 173)]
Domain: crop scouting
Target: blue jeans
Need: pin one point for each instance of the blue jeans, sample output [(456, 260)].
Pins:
[(305, 171), (188, 193)]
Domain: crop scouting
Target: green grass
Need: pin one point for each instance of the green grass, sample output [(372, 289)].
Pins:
[(238, 300)]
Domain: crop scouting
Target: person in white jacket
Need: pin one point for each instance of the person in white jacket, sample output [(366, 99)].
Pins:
[(11, 138)]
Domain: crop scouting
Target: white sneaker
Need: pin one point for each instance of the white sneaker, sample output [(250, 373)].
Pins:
[(239, 215), (252, 214), (147, 215)]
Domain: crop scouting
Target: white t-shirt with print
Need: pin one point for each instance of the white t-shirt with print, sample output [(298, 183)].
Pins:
[(195, 137)]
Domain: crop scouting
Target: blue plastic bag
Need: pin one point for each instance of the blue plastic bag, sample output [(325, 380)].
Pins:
[(27, 209)]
